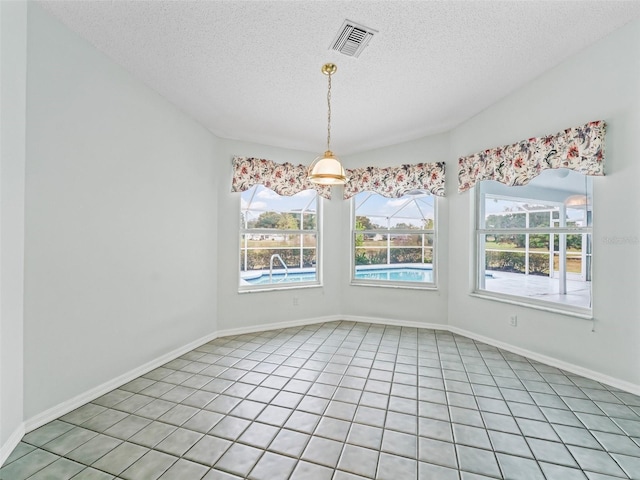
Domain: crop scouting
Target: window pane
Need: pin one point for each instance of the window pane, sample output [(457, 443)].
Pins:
[(538, 264), (273, 249), (410, 224), (369, 255), (409, 212), (578, 255), (533, 261), (260, 258), (406, 240), (265, 209), (505, 260), (506, 247), (309, 240), (370, 222), (517, 215), (308, 257), (275, 240), (382, 256), (540, 219), (309, 221), (504, 218), (428, 255), (539, 242), (275, 220), (578, 216), (406, 255), (500, 213)]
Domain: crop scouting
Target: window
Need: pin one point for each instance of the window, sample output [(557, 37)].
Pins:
[(394, 239), (534, 242), (279, 239)]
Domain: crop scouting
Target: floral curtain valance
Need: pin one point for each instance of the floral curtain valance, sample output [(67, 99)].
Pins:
[(283, 178), (394, 182), (580, 149)]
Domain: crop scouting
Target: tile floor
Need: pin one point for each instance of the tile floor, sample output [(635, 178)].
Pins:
[(343, 401)]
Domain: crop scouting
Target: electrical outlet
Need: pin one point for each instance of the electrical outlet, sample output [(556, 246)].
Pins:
[(513, 320), (296, 301)]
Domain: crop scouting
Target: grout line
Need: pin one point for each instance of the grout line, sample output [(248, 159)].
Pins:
[(340, 340)]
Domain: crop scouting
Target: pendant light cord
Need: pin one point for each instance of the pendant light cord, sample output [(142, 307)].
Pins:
[(329, 115)]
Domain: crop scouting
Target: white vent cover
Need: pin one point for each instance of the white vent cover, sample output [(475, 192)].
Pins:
[(352, 38)]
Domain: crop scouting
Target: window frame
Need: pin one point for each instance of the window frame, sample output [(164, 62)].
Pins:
[(433, 285), (243, 230), (478, 256)]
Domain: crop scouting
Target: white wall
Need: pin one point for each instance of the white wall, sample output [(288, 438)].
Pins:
[(246, 310), (602, 82), (13, 53), (421, 306), (336, 296), (121, 220), (132, 232)]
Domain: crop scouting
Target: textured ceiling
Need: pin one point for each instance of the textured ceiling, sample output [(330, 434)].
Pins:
[(250, 70)]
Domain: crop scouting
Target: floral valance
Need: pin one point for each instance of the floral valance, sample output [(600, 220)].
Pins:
[(394, 182), (283, 178), (580, 149)]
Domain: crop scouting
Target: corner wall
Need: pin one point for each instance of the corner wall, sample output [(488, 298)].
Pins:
[(425, 307), (245, 311), (131, 252), (121, 221), (13, 73), (602, 82)]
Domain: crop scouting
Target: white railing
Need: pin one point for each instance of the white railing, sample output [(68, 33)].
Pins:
[(286, 269)]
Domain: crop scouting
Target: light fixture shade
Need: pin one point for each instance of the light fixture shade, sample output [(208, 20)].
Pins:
[(327, 170), (578, 201)]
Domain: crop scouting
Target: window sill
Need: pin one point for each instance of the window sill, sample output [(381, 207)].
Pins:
[(578, 312), (283, 287)]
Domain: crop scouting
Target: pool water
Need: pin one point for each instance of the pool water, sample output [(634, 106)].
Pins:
[(405, 274), (280, 278), (397, 274)]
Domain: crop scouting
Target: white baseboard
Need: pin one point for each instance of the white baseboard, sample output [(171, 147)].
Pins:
[(329, 318), (11, 443), (278, 325), (394, 322), (79, 400), (553, 362)]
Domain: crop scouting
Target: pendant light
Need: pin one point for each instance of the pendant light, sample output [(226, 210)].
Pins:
[(576, 201), (327, 169)]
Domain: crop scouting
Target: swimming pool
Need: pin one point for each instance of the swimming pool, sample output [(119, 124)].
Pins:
[(293, 277), (395, 274)]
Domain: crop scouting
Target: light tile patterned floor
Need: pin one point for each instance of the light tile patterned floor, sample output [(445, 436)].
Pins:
[(343, 401)]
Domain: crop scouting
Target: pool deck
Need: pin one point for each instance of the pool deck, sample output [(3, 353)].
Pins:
[(539, 287), (517, 284)]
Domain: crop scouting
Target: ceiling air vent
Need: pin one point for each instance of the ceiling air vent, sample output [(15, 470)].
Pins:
[(352, 39)]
